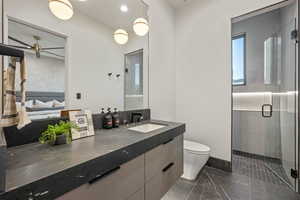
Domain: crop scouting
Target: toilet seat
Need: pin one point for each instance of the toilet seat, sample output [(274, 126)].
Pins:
[(196, 148)]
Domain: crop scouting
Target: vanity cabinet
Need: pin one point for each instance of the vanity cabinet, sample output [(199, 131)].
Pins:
[(160, 157), (118, 184), (139, 195), (147, 177), (164, 165)]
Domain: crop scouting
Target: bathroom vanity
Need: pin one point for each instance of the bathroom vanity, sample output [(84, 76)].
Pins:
[(114, 164), (131, 162)]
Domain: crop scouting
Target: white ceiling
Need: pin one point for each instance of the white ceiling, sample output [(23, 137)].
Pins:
[(178, 3), (108, 11)]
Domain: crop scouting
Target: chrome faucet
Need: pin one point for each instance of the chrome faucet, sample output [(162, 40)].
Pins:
[(136, 117)]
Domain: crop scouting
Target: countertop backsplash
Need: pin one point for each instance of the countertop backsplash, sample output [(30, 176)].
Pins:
[(31, 132)]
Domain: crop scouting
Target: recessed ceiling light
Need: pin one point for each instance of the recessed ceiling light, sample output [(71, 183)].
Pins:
[(124, 8), (82, 0)]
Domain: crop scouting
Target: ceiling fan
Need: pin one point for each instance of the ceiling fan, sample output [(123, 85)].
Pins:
[(36, 47)]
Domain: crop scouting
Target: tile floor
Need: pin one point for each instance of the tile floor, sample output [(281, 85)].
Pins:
[(250, 180), (275, 165)]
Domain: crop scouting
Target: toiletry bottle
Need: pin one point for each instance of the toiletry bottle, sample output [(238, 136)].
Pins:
[(116, 119), (107, 120), (102, 111)]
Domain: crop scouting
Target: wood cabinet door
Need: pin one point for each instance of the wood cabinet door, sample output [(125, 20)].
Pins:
[(119, 185)]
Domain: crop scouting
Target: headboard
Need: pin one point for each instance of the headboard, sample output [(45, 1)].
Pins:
[(42, 96)]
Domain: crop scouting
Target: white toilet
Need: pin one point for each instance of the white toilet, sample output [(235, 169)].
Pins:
[(195, 157)]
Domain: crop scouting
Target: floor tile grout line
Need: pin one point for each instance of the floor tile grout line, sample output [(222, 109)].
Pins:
[(225, 193), (196, 184), (215, 186)]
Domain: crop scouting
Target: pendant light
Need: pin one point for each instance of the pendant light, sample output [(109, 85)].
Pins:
[(141, 26), (121, 36), (62, 9)]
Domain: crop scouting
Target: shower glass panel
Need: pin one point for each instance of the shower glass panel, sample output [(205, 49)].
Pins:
[(288, 99), (265, 106)]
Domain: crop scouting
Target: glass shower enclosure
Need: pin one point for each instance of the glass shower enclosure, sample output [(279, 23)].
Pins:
[(265, 95)]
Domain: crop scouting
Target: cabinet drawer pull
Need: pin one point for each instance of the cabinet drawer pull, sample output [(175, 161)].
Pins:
[(168, 141), (107, 173), (168, 167)]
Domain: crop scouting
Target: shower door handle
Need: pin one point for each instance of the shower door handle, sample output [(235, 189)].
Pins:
[(269, 112)]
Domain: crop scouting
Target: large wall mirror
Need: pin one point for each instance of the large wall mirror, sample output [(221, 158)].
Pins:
[(93, 60)]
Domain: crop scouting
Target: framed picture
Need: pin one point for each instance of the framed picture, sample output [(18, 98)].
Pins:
[(84, 122)]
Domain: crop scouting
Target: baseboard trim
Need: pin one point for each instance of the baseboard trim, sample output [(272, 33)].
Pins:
[(256, 156), (219, 164)]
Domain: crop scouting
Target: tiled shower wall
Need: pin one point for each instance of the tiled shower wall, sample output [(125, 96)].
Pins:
[(253, 133)]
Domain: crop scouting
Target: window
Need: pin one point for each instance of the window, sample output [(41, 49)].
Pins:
[(238, 59), (137, 75)]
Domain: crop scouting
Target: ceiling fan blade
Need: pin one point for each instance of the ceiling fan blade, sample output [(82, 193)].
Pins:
[(53, 54), (52, 48), (18, 41), (19, 47)]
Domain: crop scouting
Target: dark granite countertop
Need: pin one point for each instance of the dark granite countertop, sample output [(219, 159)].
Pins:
[(47, 172)]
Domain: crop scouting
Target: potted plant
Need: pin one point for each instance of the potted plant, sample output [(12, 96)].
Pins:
[(58, 134)]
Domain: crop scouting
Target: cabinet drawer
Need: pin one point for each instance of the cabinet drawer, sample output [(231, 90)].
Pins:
[(159, 185), (140, 195), (159, 157), (119, 185)]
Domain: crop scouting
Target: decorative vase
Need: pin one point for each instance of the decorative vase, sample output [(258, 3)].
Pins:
[(61, 139)]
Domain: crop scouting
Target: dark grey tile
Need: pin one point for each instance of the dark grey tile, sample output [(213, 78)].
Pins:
[(234, 186), (180, 190), (255, 169), (277, 168), (261, 190), (205, 189), (250, 180)]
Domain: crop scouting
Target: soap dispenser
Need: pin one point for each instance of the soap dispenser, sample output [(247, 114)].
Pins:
[(116, 119), (107, 120), (102, 111)]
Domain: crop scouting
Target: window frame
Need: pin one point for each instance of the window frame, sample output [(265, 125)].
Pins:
[(237, 36)]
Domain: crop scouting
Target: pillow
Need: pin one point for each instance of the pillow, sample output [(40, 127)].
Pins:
[(40, 104), (18, 104), (58, 104), (44, 109), (29, 104)]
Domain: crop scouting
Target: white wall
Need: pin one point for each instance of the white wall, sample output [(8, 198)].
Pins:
[(91, 55), (203, 69), (162, 60)]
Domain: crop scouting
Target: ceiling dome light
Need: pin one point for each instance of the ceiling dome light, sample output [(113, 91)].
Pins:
[(141, 26), (121, 36), (124, 8), (62, 9)]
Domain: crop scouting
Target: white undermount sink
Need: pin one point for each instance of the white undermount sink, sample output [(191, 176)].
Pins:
[(146, 128)]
